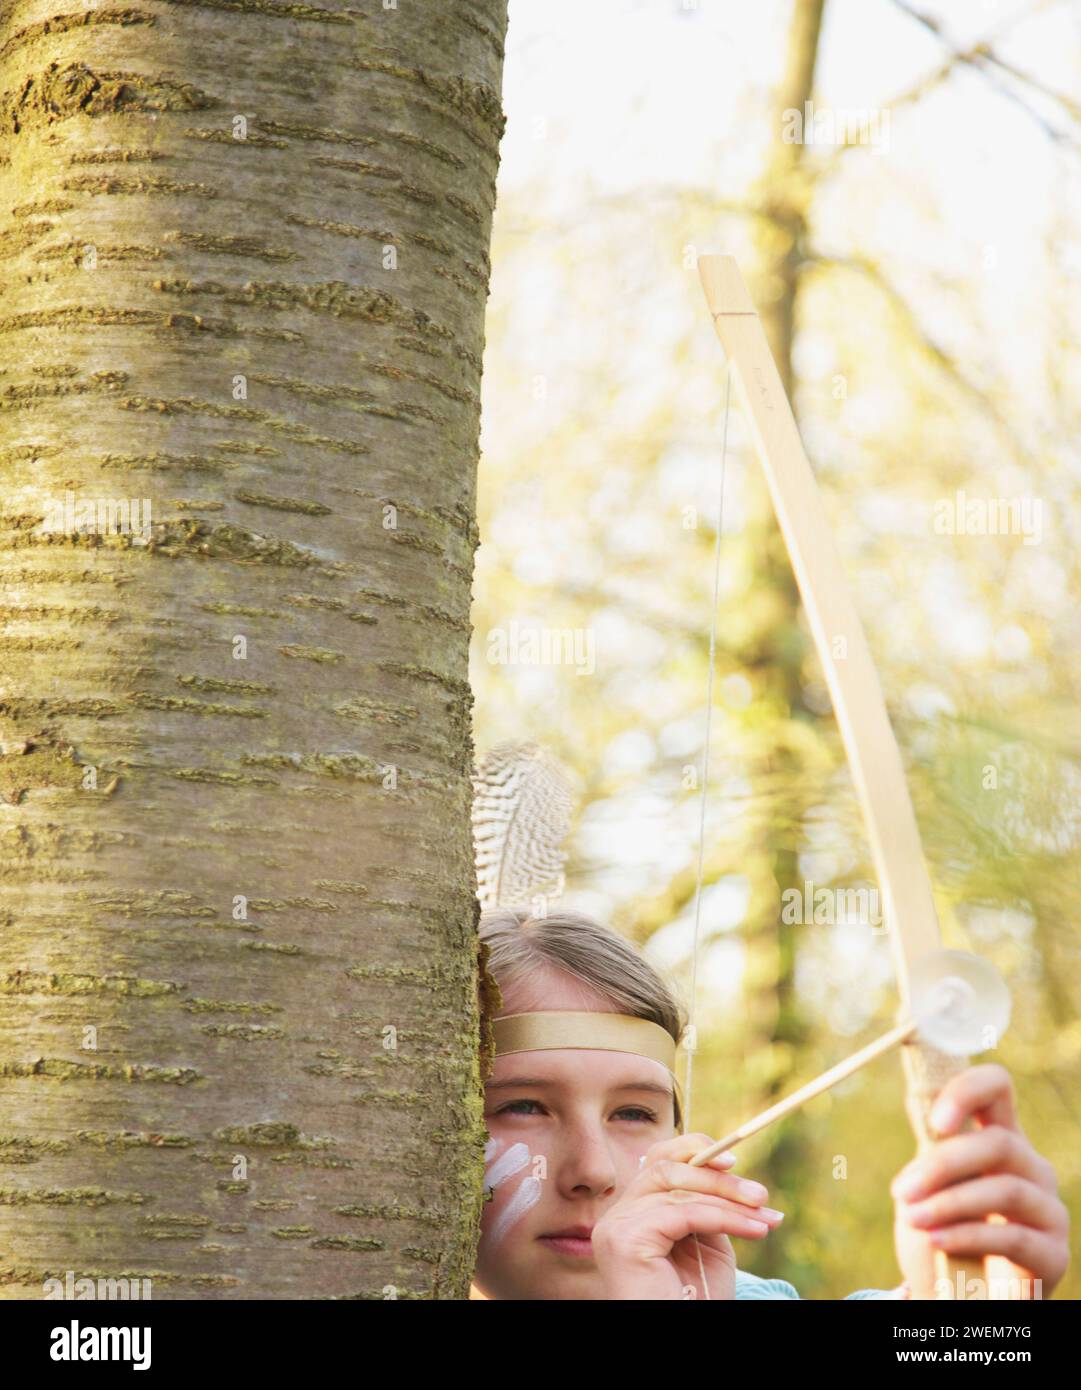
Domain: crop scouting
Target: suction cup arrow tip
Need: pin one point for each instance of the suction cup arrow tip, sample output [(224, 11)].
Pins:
[(960, 1001)]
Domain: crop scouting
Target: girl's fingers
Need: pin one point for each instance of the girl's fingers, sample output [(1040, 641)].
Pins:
[(990, 1150), (1032, 1250), (705, 1216), (665, 1168), (683, 1147), (681, 1196), (715, 1242), (669, 1175), (669, 1201), (1002, 1194), (767, 1215), (985, 1092), (650, 1226)]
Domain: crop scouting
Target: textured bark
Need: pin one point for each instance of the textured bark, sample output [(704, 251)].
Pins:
[(282, 1101)]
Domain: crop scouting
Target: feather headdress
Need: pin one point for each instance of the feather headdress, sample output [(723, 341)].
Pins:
[(522, 805)]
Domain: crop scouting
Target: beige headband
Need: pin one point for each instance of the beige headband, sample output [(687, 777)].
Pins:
[(602, 1031)]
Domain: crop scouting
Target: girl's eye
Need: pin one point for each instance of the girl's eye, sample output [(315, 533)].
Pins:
[(636, 1114), (512, 1107)]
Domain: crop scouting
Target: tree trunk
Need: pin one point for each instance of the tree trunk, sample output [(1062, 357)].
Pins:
[(772, 950), (244, 259)]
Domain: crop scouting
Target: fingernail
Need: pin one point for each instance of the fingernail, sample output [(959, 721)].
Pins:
[(769, 1211), (726, 1157), (751, 1189)]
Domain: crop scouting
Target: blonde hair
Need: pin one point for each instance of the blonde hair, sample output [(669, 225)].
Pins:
[(518, 942)]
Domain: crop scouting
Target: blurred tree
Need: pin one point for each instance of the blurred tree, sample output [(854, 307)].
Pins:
[(773, 939)]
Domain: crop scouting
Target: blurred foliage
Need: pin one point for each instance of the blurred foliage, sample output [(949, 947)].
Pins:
[(923, 364)]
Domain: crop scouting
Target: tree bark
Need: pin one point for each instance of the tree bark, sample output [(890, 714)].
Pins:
[(244, 266)]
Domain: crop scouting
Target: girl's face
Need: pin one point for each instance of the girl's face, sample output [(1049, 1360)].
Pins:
[(567, 1127)]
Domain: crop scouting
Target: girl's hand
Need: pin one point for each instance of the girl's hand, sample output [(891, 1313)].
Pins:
[(945, 1197), (644, 1244)]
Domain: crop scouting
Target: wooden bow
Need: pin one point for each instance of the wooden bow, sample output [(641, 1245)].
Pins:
[(858, 704)]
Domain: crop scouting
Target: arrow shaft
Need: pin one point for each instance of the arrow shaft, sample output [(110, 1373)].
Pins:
[(824, 1082)]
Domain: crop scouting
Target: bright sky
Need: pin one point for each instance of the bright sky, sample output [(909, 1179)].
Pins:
[(628, 94)]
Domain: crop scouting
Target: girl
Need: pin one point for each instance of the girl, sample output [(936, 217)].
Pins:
[(593, 1196)]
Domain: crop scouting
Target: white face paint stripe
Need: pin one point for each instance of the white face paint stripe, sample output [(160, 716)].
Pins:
[(491, 1149), (528, 1195), (504, 1167), (516, 1158)]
